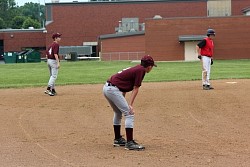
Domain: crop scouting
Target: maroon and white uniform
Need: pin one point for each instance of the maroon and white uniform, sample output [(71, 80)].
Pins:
[(126, 79), (52, 50), (123, 81), (52, 63), (129, 79)]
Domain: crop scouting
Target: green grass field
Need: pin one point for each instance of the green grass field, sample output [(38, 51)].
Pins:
[(94, 72)]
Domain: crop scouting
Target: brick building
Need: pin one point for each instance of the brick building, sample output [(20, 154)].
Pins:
[(175, 38), (16, 40), (107, 27), (230, 41)]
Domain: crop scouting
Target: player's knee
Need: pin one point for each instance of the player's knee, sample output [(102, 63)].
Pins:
[(54, 76), (117, 120), (129, 121)]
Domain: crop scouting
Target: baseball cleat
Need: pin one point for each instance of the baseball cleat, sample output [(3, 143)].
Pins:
[(119, 142), (54, 92), (51, 93), (46, 91), (206, 87), (132, 145), (210, 87)]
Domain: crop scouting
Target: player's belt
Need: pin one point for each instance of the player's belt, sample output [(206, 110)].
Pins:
[(207, 55), (110, 84)]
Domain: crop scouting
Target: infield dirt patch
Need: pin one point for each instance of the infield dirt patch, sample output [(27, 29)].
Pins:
[(180, 125)]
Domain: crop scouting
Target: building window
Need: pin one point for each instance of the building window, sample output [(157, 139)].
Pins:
[(218, 8), (48, 13)]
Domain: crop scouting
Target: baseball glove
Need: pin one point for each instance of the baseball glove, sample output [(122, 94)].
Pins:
[(199, 57), (212, 62)]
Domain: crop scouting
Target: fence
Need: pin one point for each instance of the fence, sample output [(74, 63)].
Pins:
[(122, 56)]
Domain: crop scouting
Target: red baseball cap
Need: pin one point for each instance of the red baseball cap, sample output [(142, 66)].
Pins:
[(148, 61), (56, 35)]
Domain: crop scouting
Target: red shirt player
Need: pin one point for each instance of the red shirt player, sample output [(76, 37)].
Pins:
[(115, 89), (205, 50)]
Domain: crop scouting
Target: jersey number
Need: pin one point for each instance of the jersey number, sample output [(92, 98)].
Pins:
[(123, 70), (50, 51)]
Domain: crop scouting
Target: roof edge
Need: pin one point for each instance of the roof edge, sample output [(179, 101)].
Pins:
[(122, 1), (246, 9), (125, 34), (23, 30), (185, 38)]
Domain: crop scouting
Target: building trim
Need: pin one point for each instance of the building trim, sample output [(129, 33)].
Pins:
[(245, 10), (124, 2), (22, 30), (118, 35), (184, 38)]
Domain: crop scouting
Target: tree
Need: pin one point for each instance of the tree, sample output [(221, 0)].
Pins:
[(3, 8), (17, 22), (31, 23), (9, 10), (2, 25), (32, 10), (12, 3)]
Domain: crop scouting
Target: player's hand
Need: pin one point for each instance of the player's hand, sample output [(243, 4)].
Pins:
[(58, 65), (131, 111)]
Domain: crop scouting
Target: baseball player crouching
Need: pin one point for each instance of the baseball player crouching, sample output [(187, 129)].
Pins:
[(205, 51), (115, 89)]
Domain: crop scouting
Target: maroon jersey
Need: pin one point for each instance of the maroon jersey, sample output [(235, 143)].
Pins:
[(53, 49), (126, 79)]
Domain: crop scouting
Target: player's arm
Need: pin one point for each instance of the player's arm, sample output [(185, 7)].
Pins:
[(56, 51), (198, 50), (132, 98), (57, 60), (199, 46), (46, 56)]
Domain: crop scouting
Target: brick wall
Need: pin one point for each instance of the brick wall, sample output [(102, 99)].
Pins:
[(231, 40), (238, 5), (14, 41), (123, 48), (84, 22)]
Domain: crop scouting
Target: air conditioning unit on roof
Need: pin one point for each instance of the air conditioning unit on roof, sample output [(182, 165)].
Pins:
[(55, 1)]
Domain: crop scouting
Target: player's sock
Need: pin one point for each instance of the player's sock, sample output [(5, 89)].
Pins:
[(129, 134), (117, 131)]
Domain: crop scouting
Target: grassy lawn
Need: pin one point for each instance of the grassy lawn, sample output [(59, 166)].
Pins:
[(93, 72)]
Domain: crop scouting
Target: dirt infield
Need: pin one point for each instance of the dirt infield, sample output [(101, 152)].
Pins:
[(179, 124)]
